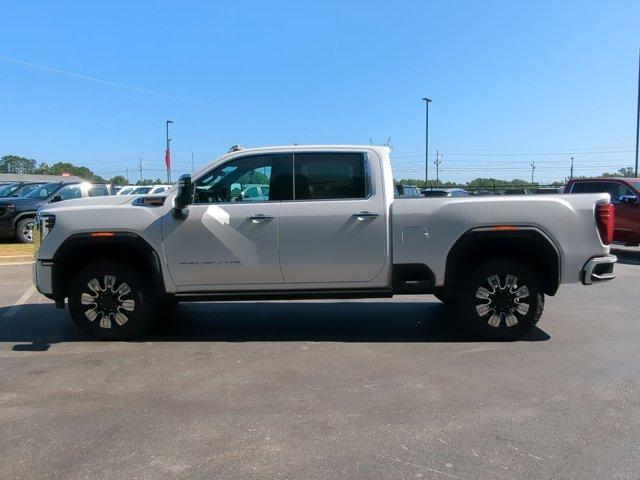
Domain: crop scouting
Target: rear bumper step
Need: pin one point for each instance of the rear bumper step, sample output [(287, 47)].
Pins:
[(599, 269)]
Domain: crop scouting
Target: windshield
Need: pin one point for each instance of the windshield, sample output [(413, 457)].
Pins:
[(7, 189), (43, 191), (142, 190)]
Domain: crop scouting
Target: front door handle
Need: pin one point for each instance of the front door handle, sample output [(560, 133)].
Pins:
[(365, 215), (260, 218)]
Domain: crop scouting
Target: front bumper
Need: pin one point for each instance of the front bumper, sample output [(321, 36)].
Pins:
[(42, 277), (599, 269)]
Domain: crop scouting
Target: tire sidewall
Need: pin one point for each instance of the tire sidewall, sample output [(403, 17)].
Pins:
[(465, 302), (138, 321)]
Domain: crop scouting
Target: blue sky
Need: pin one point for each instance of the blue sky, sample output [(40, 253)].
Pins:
[(511, 82)]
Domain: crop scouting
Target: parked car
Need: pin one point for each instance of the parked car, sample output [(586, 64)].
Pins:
[(17, 215), (406, 191), (18, 189), (141, 190), (624, 193), (254, 193), (445, 192), (126, 190), (159, 189), (330, 228)]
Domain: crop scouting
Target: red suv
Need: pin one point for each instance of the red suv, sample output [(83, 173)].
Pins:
[(625, 193)]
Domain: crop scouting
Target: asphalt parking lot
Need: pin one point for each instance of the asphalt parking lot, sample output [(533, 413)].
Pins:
[(334, 389)]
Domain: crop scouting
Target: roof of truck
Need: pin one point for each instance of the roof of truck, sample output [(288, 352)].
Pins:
[(381, 148)]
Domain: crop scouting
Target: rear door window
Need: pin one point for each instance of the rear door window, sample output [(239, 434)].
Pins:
[(330, 176), (69, 192)]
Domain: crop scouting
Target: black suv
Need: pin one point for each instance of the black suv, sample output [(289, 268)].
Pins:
[(17, 214)]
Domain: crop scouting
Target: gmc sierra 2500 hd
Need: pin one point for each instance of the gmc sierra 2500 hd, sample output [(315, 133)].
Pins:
[(324, 225)]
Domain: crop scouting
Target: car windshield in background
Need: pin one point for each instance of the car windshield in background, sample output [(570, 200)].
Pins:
[(142, 190), (6, 190), (43, 191)]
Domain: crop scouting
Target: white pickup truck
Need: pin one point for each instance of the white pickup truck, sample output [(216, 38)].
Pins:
[(324, 225)]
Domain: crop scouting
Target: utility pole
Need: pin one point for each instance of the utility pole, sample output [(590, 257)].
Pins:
[(638, 115), (167, 154), (571, 174), (127, 175), (438, 162), (427, 101), (533, 169), (193, 165), (141, 164)]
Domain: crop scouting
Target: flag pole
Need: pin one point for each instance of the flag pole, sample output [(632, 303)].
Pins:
[(167, 154)]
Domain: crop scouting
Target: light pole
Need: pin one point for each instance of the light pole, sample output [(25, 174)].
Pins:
[(167, 154), (427, 101), (141, 164)]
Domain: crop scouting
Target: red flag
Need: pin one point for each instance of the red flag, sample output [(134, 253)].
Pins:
[(167, 158)]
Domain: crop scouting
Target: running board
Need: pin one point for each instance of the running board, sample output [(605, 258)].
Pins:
[(282, 295)]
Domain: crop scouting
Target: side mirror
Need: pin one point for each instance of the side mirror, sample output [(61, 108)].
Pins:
[(56, 198), (629, 199), (184, 198)]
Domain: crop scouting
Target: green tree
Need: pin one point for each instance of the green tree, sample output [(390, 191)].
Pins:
[(149, 181), (622, 172), (61, 168), (16, 164), (118, 180)]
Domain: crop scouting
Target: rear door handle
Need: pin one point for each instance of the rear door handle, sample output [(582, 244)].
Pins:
[(260, 218), (365, 215)]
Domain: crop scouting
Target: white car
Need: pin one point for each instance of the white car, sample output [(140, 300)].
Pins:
[(158, 189), (126, 190), (330, 228)]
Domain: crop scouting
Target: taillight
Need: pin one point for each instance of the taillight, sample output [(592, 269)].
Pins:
[(604, 218)]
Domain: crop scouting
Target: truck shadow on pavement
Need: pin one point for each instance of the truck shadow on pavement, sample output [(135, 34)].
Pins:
[(34, 327)]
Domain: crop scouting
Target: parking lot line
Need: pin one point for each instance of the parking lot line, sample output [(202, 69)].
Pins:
[(21, 301)]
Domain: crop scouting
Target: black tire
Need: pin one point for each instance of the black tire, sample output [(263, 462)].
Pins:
[(108, 306), (24, 230), (493, 312)]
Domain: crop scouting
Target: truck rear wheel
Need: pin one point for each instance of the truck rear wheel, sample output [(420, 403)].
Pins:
[(499, 300), (110, 301)]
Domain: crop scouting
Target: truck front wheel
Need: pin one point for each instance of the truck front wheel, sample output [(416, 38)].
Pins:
[(110, 301), (499, 300)]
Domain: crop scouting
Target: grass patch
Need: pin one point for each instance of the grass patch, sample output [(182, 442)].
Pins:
[(9, 249)]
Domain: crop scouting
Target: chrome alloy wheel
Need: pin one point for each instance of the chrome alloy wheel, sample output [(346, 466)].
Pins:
[(502, 302), (107, 303), (27, 231)]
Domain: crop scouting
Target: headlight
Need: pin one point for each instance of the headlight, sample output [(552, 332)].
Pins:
[(44, 225)]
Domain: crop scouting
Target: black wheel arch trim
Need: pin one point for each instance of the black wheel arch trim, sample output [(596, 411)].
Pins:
[(473, 237), (22, 216), (80, 241)]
